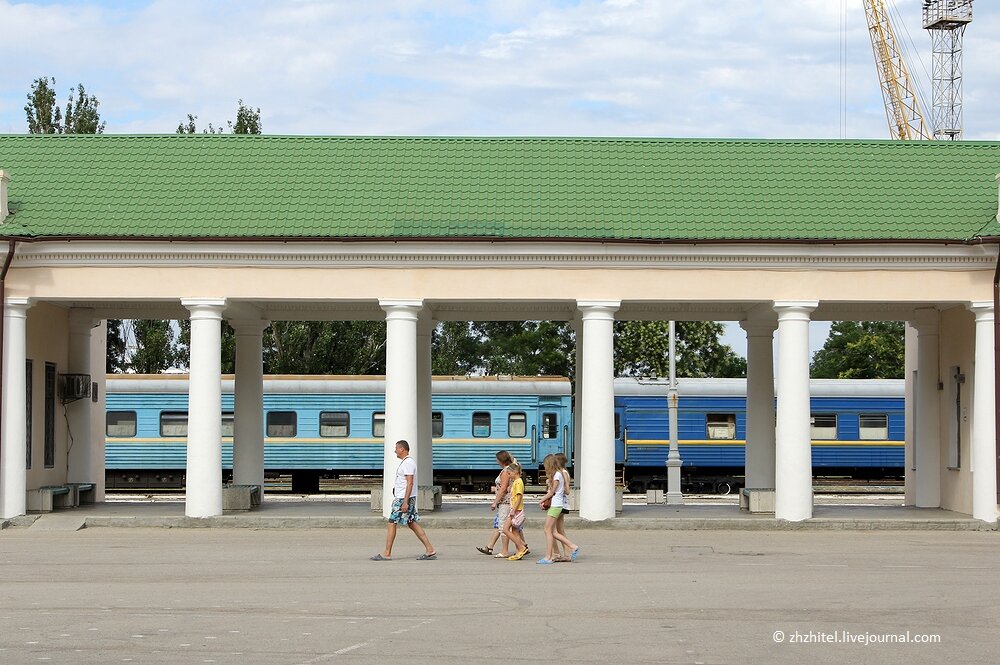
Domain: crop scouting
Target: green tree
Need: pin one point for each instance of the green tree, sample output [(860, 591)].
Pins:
[(115, 360), (456, 349), (642, 348), (861, 350), (155, 346), (324, 347), (45, 117), (247, 122), (528, 348)]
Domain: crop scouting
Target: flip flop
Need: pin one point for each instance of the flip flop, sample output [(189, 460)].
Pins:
[(427, 557), (500, 555), (485, 550), (379, 557), (572, 557), (544, 561)]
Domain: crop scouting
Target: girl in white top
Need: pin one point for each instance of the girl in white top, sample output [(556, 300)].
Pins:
[(555, 505)]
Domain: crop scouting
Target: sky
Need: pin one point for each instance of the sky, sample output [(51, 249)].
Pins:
[(713, 68)]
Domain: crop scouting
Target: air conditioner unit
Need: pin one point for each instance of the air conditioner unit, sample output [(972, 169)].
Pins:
[(74, 386)]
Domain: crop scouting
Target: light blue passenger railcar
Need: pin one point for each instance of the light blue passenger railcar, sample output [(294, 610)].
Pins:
[(331, 426)]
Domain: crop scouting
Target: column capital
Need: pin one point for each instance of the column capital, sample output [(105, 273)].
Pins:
[(795, 310), (759, 327), (205, 308), (81, 320), (409, 310), (925, 321), (249, 326), (15, 306), (598, 309), (983, 309)]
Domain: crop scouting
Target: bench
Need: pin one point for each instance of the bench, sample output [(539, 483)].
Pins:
[(240, 497), (429, 498), (757, 499), (82, 493), (46, 499)]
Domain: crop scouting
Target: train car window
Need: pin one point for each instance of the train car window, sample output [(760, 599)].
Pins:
[(335, 423), (824, 426), (618, 425), (228, 424), (550, 426), (282, 423), (173, 423), (721, 425), (481, 424), (120, 423), (378, 424), (874, 427), (517, 425), (437, 425)]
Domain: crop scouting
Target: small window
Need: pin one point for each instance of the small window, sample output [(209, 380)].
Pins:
[(874, 427), (49, 452), (228, 424), (437, 425), (378, 425), (481, 424), (120, 423), (173, 423), (824, 426), (334, 423), (550, 426), (517, 425), (721, 425), (281, 423), (28, 426), (618, 426)]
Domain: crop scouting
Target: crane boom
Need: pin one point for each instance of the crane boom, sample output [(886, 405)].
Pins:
[(902, 109)]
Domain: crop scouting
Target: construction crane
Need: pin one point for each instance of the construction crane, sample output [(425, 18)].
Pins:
[(902, 109), (946, 21)]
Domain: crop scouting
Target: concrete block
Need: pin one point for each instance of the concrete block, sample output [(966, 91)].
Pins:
[(757, 500), (655, 497), (574, 500)]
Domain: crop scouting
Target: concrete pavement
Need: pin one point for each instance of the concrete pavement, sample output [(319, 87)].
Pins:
[(288, 597)]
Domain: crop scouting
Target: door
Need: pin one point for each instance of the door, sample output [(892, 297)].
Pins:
[(621, 453), (550, 433)]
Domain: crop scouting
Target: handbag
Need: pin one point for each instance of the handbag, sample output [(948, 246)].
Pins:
[(517, 519)]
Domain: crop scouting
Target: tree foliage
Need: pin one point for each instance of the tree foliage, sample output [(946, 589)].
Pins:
[(642, 348), (45, 117), (861, 350), (325, 347), (247, 122), (155, 347)]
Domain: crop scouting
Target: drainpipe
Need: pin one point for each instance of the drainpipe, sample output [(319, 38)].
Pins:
[(996, 351), (3, 300)]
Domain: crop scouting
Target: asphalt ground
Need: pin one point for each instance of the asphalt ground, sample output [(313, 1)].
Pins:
[(278, 597)]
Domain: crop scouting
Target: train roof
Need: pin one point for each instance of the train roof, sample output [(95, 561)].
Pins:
[(302, 384), (632, 386)]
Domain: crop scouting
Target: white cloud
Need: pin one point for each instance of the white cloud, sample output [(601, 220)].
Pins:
[(502, 67)]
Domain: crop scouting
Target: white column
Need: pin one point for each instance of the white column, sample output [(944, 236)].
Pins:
[(760, 403), (401, 318), (13, 476), (248, 415), (98, 364), (423, 452), (204, 440), (909, 457), (597, 440), (984, 461), (80, 413), (793, 497), (577, 402), (927, 416)]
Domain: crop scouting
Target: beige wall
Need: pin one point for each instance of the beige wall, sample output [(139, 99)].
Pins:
[(957, 339), (485, 284), (47, 341)]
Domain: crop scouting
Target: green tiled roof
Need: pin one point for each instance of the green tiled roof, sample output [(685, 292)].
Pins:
[(512, 188)]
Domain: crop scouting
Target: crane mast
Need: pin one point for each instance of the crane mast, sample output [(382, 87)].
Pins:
[(946, 21), (902, 110)]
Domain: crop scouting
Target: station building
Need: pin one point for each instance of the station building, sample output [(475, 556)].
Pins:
[(253, 229)]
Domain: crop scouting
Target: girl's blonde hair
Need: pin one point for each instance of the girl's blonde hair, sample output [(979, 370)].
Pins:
[(514, 468), (550, 464)]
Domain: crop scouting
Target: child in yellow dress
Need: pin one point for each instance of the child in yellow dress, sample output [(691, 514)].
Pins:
[(511, 530)]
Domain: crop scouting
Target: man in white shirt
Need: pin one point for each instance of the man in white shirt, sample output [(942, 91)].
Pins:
[(404, 506)]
